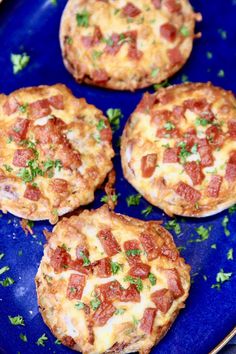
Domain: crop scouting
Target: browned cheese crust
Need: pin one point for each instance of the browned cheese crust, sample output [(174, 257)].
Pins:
[(55, 150), (178, 149), (108, 283), (126, 45)]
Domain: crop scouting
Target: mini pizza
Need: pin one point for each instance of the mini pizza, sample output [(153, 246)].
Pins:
[(179, 149), (108, 283), (126, 45), (55, 150)]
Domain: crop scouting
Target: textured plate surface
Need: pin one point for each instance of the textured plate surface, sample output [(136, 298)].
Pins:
[(32, 26)]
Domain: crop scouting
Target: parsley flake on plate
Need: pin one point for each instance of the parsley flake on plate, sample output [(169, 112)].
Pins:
[(173, 225), (19, 61), (7, 282), (133, 199), (225, 225), (41, 340), (114, 115), (17, 320), (147, 211)]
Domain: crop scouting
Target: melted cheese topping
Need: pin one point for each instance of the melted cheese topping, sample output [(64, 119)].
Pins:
[(61, 314), (140, 139), (85, 52)]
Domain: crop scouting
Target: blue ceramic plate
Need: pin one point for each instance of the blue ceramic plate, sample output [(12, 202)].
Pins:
[(32, 27)]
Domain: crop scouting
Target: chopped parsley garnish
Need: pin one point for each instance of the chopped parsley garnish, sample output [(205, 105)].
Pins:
[(79, 305), (17, 320), (82, 19), (69, 40), (152, 279), (114, 115), (115, 267), (23, 337), (58, 342), (41, 341), (101, 125), (221, 73), (114, 198), (203, 232), (169, 126), (49, 164), (134, 252), (135, 321), (230, 255), (163, 84), (184, 31), (8, 168), (184, 78), (225, 225), (133, 199), (214, 246), (202, 121), (96, 54), (85, 259), (155, 72), (221, 278), (232, 209), (95, 303), (54, 2), (222, 33), (184, 153), (120, 311), (19, 61), (23, 108), (4, 269), (209, 55), (194, 148), (136, 281), (7, 282), (147, 211), (173, 225), (2, 255)]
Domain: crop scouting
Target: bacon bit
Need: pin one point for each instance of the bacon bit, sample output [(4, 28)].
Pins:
[(109, 243), (147, 321), (175, 56), (106, 134), (100, 76), (110, 190), (109, 291), (163, 299), (174, 282), (230, 174), (102, 268), (39, 109), (10, 106), (232, 128), (171, 155), (105, 311), (140, 270), (75, 286), (68, 341), (57, 101), (214, 186), (32, 193), (205, 153), (214, 136), (148, 165), (131, 10), (168, 32), (26, 227), (149, 245), (21, 157), (132, 245), (193, 169), (146, 103), (60, 259), (156, 4), (90, 41), (188, 193), (19, 129), (131, 294), (59, 185), (172, 5)]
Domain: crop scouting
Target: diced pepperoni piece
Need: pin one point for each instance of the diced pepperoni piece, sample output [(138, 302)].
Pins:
[(150, 246), (232, 128), (131, 294), (102, 268), (51, 132), (60, 259), (10, 106), (160, 117), (19, 130), (156, 4), (140, 270), (133, 52), (178, 112), (78, 266), (75, 286), (68, 341), (129, 246), (165, 97), (115, 45), (171, 155), (147, 321), (172, 5), (22, 156), (148, 165), (109, 291), (205, 153), (39, 109), (168, 31), (90, 41), (32, 193), (106, 134), (214, 186), (201, 107), (169, 252), (100, 76), (230, 174), (59, 185), (105, 311), (163, 133), (174, 282), (163, 299), (175, 56), (130, 10), (187, 192), (69, 158), (215, 136), (146, 103), (81, 251), (193, 169), (57, 101), (109, 243)]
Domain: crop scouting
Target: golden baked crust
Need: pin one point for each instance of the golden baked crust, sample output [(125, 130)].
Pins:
[(178, 149), (55, 150), (86, 300), (126, 45)]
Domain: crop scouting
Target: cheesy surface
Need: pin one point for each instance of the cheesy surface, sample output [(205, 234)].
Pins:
[(97, 308)]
